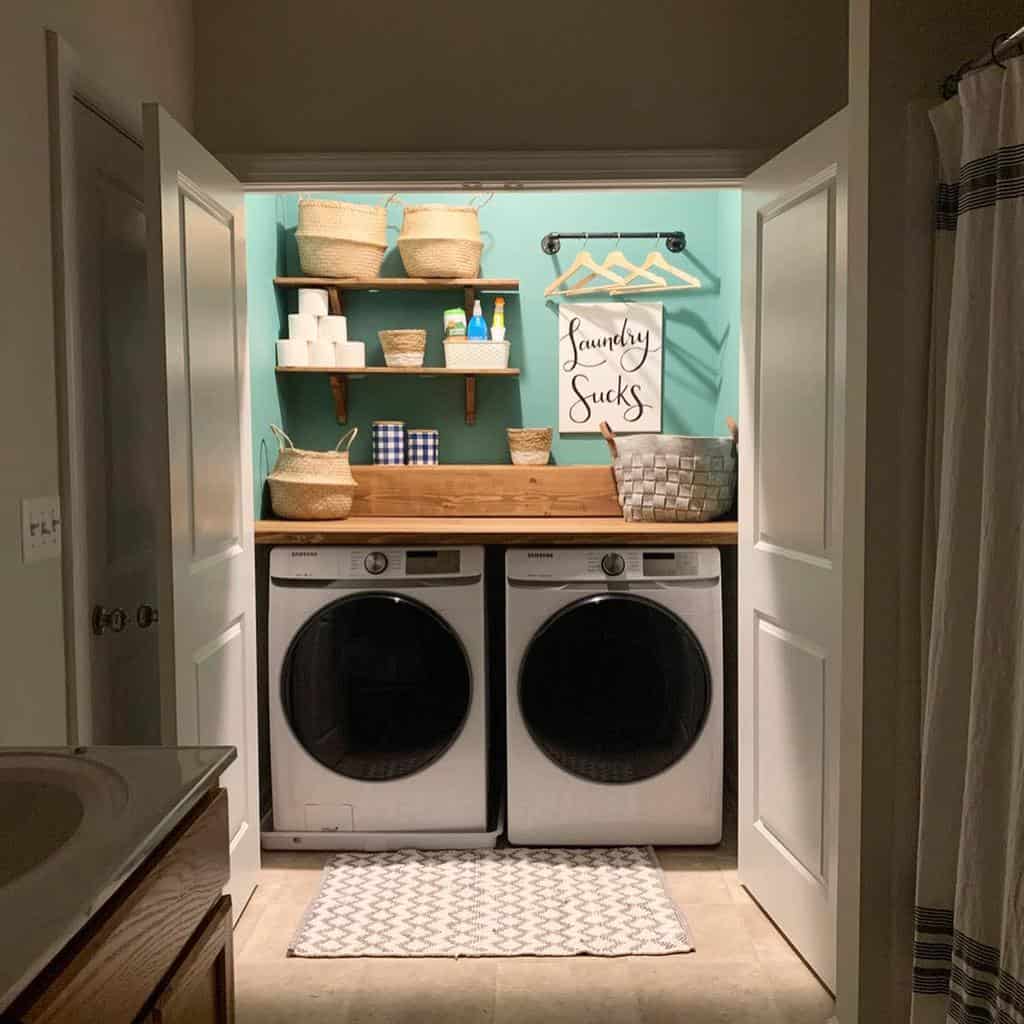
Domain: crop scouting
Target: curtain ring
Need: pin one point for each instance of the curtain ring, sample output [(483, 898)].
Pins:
[(995, 42)]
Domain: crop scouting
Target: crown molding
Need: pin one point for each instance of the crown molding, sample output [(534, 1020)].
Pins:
[(547, 169)]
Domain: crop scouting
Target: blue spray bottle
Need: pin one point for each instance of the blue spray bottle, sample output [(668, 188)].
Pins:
[(477, 327)]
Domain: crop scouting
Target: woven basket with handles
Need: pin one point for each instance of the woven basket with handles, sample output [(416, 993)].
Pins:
[(404, 347), (441, 241), (312, 485), (339, 239), (673, 478)]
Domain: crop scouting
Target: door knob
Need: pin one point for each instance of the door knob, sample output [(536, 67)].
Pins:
[(103, 619), (146, 615)]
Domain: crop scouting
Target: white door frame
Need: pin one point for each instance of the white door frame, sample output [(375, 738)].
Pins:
[(604, 170), (70, 81)]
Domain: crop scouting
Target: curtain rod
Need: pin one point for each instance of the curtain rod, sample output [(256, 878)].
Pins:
[(1001, 47), (675, 241)]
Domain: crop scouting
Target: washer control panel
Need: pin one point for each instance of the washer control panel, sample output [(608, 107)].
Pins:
[(317, 562), (570, 565)]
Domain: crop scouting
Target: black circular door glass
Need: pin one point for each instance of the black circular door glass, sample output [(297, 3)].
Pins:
[(376, 686), (615, 688)]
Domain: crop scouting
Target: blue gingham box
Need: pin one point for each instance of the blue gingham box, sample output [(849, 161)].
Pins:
[(422, 447), (388, 443)]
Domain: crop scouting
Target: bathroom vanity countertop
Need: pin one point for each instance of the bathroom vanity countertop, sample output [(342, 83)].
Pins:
[(524, 530), (112, 807)]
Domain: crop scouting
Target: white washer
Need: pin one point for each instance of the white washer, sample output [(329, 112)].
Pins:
[(378, 706), (614, 696)]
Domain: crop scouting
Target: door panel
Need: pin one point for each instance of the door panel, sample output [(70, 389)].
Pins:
[(210, 353), (120, 688), (795, 304), (197, 288), (794, 401)]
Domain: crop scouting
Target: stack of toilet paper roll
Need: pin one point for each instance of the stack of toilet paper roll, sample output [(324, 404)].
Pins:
[(316, 338)]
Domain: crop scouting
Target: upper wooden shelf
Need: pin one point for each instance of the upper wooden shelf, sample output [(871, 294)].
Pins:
[(399, 284)]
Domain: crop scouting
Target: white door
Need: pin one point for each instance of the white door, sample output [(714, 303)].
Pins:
[(196, 230), (119, 678), (800, 535)]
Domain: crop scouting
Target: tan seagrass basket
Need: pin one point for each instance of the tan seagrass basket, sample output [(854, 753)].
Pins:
[(673, 478), (441, 241), (312, 485), (529, 446), (339, 239), (404, 347)]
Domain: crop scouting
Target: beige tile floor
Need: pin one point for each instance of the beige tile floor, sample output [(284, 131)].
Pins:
[(743, 971)]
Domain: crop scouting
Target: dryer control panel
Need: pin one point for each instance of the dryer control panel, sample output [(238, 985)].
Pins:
[(375, 563), (573, 565)]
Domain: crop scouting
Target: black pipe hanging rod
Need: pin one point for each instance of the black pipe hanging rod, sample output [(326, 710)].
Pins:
[(675, 241)]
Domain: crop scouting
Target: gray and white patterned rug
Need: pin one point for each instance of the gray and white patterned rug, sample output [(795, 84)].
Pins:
[(504, 902)]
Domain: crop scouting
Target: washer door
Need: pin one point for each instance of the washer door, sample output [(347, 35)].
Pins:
[(376, 686), (615, 688)]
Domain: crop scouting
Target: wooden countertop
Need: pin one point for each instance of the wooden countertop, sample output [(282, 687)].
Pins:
[(524, 530)]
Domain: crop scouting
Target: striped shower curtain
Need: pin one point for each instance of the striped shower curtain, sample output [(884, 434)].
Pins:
[(969, 941)]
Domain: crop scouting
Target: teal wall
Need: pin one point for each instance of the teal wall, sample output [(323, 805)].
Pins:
[(700, 341)]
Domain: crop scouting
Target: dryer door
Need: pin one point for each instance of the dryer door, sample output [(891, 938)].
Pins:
[(615, 688), (376, 686)]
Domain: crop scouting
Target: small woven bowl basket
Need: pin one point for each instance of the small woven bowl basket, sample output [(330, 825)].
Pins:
[(312, 485), (403, 348), (529, 446)]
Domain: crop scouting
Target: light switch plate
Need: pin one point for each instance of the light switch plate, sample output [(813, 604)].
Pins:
[(40, 529)]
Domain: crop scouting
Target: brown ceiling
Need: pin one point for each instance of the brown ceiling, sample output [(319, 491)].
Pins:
[(322, 76)]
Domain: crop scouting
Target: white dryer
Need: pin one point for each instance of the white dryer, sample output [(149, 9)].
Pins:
[(614, 696), (378, 706)]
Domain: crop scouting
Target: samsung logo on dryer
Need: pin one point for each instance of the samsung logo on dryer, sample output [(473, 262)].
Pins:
[(540, 554), (305, 554)]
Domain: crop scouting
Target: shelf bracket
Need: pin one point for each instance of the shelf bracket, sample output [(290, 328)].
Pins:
[(335, 303), (468, 300), (470, 400), (339, 388)]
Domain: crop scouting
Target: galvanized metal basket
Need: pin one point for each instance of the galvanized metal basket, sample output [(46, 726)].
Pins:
[(673, 478)]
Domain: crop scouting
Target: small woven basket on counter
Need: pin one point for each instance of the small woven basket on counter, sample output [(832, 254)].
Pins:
[(403, 348), (673, 478), (529, 446), (312, 485)]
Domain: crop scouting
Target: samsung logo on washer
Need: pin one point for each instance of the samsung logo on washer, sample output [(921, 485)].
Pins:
[(540, 554), (305, 554)]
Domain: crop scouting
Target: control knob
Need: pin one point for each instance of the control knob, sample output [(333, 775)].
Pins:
[(375, 562), (613, 564)]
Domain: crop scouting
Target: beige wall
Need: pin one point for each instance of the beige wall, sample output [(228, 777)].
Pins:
[(913, 45), (332, 76), (148, 44)]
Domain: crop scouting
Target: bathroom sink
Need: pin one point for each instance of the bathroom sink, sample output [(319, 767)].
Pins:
[(46, 801)]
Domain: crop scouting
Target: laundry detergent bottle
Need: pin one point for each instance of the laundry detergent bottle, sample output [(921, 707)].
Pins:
[(477, 328)]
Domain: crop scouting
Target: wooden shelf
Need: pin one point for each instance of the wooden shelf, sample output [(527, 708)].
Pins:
[(401, 284), (339, 378), (523, 531)]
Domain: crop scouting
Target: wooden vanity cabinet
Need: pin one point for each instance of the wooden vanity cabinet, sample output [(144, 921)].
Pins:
[(159, 950), (200, 988)]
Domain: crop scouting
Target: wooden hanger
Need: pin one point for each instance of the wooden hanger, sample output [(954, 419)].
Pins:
[(615, 260), (655, 259), (583, 261)]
